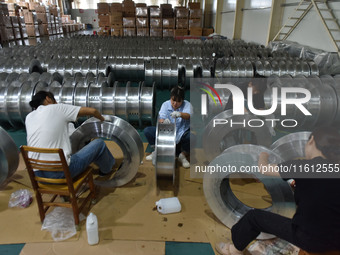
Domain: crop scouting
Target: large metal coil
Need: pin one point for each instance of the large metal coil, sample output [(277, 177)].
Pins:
[(323, 104), (130, 69), (165, 150), (220, 133), (133, 102), (165, 74), (124, 135), (227, 68), (291, 146), (9, 156), (220, 196), (268, 67)]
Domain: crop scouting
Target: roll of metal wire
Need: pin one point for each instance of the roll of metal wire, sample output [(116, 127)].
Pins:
[(124, 135), (291, 146), (217, 138), (9, 156), (220, 197), (165, 148)]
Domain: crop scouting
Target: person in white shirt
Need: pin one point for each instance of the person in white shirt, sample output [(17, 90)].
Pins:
[(47, 127)]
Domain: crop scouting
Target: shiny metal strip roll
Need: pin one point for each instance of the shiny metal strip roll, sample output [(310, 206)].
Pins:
[(165, 150), (217, 139), (9, 156), (291, 146), (220, 197), (120, 101), (122, 133), (147, 103), (133, 103)]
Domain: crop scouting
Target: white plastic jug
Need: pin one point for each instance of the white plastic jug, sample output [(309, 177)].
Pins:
[(168, 205), (92, 229)]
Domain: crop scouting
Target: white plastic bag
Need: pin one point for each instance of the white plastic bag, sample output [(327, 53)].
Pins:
[(60, 222), (21, 198)]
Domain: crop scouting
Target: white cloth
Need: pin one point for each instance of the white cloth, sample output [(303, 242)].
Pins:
[(47, 127)]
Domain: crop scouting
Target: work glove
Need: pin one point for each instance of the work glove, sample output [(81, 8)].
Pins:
[(166, 121), (175, 114)]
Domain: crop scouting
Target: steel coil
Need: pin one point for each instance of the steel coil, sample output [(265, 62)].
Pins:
[(9, 156), (122, 133), (220, 197)]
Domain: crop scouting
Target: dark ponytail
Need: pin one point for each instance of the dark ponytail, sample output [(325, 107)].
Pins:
[(327, 140), (39, 97)]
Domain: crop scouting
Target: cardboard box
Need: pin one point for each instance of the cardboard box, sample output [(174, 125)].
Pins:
[(142, 22), (142, 12), (130, 13), (9, 33), (156, 23), (24, 5), (141, 5), (143, 31), (156, 32), (42, 17), (14, 21), (195, 14), (195, 23), (116, 31), (182, 24), (117, 18), (116, 7), (30, 30), (16, 33), (194, 5), (3, 35), (196, 31), (182, 13), (181, 32), (155, 11), (169, 23), (168, 32), (129, 22), (40, 9), (23, 32), (104, 20), (207, 31), (129, 31), (22, 22), (103, 8), (43, 29), (6, 21)]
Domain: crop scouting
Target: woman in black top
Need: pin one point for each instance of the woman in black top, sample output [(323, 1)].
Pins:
[(315, 226)]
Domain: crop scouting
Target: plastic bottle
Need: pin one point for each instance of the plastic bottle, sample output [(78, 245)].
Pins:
[(92, 229), (168, 205)]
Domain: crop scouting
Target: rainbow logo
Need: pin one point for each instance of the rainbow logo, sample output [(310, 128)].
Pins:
[(210, 94)]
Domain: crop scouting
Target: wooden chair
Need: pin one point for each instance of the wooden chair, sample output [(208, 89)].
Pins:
[(68, 187)]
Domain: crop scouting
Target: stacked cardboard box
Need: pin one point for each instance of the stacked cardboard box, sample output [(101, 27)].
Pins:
[(3, 13), (142, 21), (116, 10), (15, 27), (23, 30), (182, 21), (104, 18), (6, 28), (42, 19), (195, 19), (168, 20), (13, 9), (207, 31), (156, 23), (129, 18)]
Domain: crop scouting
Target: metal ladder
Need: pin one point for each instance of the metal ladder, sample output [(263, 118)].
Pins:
[(325, 13)]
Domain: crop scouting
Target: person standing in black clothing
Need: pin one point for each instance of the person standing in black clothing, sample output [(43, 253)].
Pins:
[(315, 226)]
